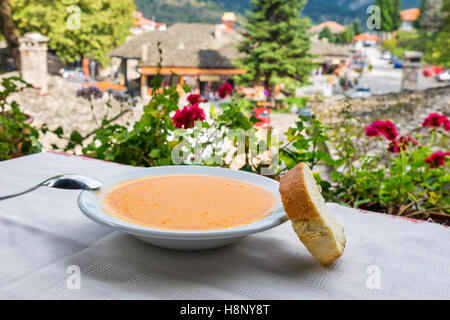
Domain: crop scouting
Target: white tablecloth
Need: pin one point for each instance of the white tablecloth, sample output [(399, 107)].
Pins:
[(43, 234)]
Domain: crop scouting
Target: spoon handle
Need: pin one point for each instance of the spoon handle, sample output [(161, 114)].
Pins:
[(19, 193)]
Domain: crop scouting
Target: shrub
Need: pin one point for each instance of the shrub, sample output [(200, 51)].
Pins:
[(406, 179), (17, 137)]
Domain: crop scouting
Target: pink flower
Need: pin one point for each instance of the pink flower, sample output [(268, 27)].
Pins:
[(437, 159), (435, 120), (225, 90), (385, 128), (195, 98), (186, 117), (372, 130)]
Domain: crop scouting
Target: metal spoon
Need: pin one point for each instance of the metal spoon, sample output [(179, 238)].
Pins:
[(63, 181)]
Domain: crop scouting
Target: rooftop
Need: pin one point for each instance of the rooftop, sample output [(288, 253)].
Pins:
[(332, 25), (325, 51), (184, 45), (410, 14)]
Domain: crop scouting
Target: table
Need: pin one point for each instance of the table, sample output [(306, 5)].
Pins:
[(45, 240)]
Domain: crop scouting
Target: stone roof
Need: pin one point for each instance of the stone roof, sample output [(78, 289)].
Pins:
[(323, 49), (184, 45)]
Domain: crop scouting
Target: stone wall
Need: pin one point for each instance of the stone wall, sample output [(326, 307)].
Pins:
[(61, 107), (406, 109)]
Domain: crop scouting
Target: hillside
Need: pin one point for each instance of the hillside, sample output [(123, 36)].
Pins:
[(210, 11)]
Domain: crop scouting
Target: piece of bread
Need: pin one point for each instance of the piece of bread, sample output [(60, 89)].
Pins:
[(319, 231)]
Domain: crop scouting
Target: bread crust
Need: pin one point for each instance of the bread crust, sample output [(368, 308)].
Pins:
[(296, 200), (321, 234)]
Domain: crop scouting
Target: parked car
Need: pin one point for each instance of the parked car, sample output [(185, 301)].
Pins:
[(386, 55), (393, 59), (432, 71), (361, 92), (75, 75), (262, 114), (443, 76), (398, 64)]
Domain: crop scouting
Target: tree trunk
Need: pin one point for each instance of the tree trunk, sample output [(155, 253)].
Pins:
[(272, 96), (9, 31)]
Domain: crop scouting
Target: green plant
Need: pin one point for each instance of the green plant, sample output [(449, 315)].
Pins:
[(276, 46), (306, 143), (399, 181), (77, 28), (17, 137), (147, 142)]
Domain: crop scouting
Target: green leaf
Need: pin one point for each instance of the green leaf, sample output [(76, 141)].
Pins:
[(155, 153), (76, 137)]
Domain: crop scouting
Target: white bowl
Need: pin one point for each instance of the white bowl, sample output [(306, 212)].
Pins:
[(90, 203)]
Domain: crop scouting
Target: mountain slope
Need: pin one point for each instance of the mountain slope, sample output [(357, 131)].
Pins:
[(210, 11)]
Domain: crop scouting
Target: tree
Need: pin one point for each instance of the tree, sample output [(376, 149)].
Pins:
[(356, 27), (346, 36), (438, 51), (276, 45), (422, 7), (390, 14), (9, 31), (77, 28), (327, 34), (430, 15)]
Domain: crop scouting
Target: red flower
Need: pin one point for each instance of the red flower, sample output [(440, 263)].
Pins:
[(195, 98), (401, 143), (225, 90), (437, 159), (435, 120), (388, 130), (186, 117), (447, 124), (394, 147), (385, 128)]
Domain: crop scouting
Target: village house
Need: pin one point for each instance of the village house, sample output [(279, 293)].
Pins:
[(201, 55), (408, 17), (142, 24), (329, 57)]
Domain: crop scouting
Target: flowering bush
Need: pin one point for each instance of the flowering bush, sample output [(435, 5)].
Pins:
[(408, 180), (186, 117)]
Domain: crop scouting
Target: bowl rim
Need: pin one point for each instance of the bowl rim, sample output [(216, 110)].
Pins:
[(89, 203)]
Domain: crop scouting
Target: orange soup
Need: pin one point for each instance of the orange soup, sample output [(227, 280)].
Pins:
[(189, 202)]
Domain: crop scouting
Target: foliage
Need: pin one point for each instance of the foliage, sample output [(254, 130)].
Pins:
[(390, 14), (104, 24), (406, 180), (346, 36), (17, 137), (147, 142), (399, 182), (306, 143), (276, 44), (326, 33), (438, 50), (430, 16), (356, 27)]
